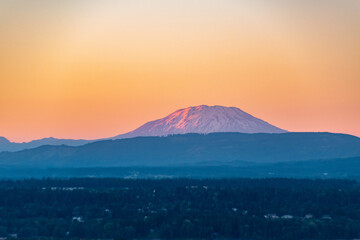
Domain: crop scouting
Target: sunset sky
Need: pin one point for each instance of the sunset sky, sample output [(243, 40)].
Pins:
[(93, 69)]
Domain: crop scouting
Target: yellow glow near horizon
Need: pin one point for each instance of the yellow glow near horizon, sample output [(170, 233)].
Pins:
[(91, 69)]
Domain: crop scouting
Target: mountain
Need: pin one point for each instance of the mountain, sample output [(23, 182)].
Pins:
[(6, 145), (203, 119), (215, 149), (200, 119)]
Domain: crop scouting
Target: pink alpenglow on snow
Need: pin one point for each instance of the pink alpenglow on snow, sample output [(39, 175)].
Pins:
[(204, 119)]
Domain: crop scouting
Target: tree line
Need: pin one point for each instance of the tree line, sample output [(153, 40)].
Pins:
[(179, 208)]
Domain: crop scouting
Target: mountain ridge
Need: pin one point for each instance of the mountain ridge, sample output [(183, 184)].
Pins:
[(6, 145), (190, 149), (4, 140)]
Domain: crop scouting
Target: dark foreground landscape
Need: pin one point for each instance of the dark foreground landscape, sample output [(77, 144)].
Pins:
[(111, 208)]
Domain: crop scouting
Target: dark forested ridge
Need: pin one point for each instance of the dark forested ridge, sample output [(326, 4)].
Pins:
[(190, 149), (345, 168), (180, 208)]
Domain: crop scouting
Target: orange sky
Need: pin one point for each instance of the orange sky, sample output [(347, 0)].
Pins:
[(92, 69)]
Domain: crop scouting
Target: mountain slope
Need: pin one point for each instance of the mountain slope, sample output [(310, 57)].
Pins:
[(6, 145), (190, 149), (204, 119), (4, 141)]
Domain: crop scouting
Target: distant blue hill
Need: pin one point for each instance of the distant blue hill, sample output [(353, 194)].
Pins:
[(6, 145), (215, 149)]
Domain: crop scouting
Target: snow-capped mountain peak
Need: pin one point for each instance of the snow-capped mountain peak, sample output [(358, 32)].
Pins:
[(204, 119)]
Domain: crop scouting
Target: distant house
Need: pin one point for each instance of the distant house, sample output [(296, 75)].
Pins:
[(271, 216), (287, 217), (78, 219), (13, 235), (326, 217)]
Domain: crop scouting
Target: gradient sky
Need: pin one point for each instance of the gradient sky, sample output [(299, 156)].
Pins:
[(92, 69)]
